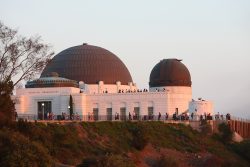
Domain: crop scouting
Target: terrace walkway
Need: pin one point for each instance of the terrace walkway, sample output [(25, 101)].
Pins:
[(238, 125)]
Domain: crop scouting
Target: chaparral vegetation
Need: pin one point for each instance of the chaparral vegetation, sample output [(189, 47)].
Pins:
[(115, 144)]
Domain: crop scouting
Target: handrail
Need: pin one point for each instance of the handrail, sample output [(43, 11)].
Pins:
[(127, 117)]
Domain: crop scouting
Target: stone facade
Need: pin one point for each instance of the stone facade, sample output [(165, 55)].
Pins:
[(168, 100)]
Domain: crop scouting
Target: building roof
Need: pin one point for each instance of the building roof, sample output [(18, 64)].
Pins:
[(51, 80), (170, 72), (89, 64)]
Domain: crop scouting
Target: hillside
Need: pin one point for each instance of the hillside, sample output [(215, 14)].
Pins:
[(116, 144)]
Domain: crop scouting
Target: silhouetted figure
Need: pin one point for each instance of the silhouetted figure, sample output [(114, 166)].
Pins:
[(15, 115), (174, 117), (159, 116), (116, 116), (201, 117), (217, 116), (129, 116), (166, 116), (209, 117)]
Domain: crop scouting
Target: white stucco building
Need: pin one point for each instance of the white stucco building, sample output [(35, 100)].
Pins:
[(102, 88), (201, 107)]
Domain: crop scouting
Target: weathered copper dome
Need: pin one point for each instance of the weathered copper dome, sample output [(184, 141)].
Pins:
[(51, 80), (170, 72), (89, 64)]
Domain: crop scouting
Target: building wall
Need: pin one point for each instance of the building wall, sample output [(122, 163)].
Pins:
[(142, 100), (27, 99), (201, 107), (177, 97), (84, 103), (110, 88)]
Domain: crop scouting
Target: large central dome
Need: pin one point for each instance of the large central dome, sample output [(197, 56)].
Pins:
[(89, 64)]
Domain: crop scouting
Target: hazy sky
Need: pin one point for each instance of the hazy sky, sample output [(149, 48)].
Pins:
[(212, 37)]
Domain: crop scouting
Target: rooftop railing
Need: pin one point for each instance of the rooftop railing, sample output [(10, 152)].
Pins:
[(91, 118)]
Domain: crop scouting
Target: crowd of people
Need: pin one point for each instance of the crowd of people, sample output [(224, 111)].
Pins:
[(63, 116), (132, 91), (135, 116)]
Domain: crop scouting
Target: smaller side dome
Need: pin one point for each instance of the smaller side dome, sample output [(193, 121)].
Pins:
[(51, 80), (53, 74), (170, 72)]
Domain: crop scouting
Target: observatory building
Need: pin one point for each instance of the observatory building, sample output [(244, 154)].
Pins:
[(100, 86)]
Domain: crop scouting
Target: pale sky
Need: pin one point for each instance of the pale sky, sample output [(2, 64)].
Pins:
[(211, 36)]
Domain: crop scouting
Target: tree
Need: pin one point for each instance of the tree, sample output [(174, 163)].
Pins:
[(21, 58), (70, 106), (7, 108)]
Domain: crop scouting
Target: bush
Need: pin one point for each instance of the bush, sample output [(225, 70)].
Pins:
[(88, 162), (225, 133), (18, 151), (139, 140), (206, 128), (116, 161), (166, 162), (243, 149), (23, 126), (107, 161)]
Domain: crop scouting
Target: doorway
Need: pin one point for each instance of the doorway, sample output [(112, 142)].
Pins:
[(96, 114), (44, 110)]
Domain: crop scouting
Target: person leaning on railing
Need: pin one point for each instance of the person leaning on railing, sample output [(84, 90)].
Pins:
[(228, 117)]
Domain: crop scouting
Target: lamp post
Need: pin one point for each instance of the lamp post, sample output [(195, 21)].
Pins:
[(69, 112), (43, 110)]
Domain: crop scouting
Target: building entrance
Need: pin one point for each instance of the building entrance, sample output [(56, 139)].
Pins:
[(44, 110), (96, 114)]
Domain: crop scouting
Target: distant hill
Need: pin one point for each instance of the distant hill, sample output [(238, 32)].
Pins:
[(152, 144)]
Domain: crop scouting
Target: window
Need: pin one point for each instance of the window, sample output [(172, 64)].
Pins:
[(109, 114), (136, 113), (150, 113), (123, 113)]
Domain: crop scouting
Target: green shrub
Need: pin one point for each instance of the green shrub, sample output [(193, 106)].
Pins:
[(139, 139), (206, 128), (243, 149), (110, 160), (89, 162), (166, 162), (116, 161), (18, 151), (225, 133), (23, 126)]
